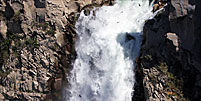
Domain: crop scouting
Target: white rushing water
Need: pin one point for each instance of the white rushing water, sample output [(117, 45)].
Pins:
[(104, 68)]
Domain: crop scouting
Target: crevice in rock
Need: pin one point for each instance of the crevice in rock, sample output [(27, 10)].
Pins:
[(9, 12), (139, 94)]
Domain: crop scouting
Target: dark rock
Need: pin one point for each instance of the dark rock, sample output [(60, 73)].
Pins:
[(40, 3), (9, 12), (197, 38), (180, 51), (129, 37), (14, 27)]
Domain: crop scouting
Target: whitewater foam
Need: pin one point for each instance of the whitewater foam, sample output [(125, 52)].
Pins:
[(104, 67)]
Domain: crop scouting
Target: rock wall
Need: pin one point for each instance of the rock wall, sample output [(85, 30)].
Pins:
[(37, 46), (169, 61), (37, 49)]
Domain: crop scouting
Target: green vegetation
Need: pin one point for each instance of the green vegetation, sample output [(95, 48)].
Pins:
[(4, 50), (51, 32), (163, 68), (13, 79), (148, 57), (1, 16), (3, 57), (15, 51), (32, 43), (16, 16), (44, 26), (13, 41), (4, 74), (173, 84), (5, 44), (154, 78)]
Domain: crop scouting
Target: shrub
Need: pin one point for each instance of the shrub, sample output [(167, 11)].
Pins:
[(32, 42), (1, 16), (148, 57), (173, 84), (16, 16), (51, 32), (153, 78), (4, 74), (44, 26), (5, 44)]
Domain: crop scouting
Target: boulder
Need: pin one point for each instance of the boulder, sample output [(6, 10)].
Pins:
[(174, 38)]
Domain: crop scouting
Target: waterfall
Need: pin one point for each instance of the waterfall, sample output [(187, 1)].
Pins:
[(108, 42)]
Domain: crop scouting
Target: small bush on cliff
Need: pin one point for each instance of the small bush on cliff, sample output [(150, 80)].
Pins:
[(4, 50), (5, 45), (51, 32), (44, 26), (148, 57), (4, 74), (17, 15), (173, 84), (32, 43), (1, 16)]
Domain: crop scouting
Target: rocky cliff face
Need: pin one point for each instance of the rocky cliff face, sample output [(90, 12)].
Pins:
[(37, 49), (36, 46), (170, 56)]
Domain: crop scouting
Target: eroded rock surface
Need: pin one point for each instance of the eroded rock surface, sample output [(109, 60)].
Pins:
[(37, 46), (169, 56)]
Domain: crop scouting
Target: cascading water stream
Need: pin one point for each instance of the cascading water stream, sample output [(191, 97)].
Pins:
[(107, 45)]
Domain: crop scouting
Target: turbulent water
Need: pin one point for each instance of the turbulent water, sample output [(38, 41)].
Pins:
[(107, 45)]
